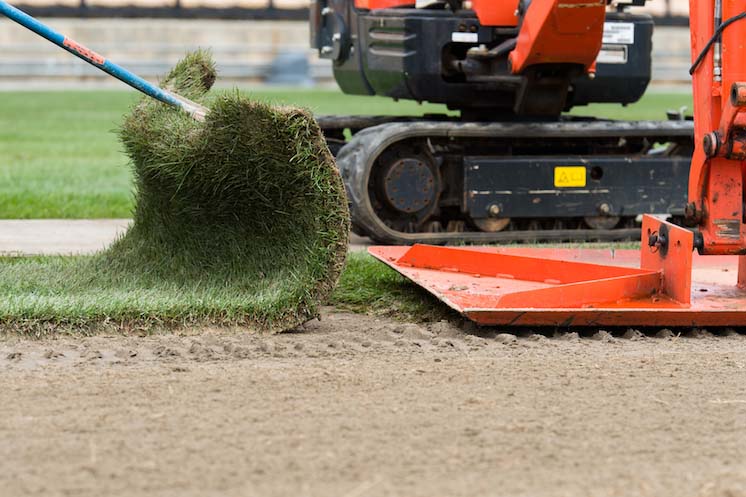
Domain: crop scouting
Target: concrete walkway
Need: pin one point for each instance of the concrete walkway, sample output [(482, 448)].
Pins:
[(53, 236), (73, 236)]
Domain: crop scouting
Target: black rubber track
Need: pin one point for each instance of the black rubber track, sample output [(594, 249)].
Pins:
[(356, 159)]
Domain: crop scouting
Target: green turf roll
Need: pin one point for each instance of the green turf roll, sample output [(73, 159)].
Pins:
[(240, 219)]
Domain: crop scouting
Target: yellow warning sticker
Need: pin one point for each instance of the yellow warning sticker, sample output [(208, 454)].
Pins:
[(569, 176)]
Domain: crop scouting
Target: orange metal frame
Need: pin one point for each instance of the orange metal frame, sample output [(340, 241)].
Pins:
[(521, 287)]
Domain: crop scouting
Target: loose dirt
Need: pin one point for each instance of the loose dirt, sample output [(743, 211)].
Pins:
[(361, 406)]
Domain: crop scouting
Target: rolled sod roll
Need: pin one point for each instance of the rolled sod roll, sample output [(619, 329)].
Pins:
[(245, 213)]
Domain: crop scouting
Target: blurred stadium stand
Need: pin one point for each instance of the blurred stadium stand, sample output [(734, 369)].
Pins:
[(175, 9), (251, 40), (668, 11)]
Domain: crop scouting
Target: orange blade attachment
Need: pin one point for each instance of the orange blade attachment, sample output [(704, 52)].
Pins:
[(577, 287)]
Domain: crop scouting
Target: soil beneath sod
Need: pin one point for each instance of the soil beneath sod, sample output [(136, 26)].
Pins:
[(359, 406)]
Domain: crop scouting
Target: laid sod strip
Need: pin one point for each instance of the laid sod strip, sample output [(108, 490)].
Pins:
[(45, 295), (241, 219)]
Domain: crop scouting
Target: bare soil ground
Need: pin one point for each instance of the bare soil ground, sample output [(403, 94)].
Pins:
[(362, 406)]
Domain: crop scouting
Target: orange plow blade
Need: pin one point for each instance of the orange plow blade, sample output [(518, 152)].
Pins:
[(578, 287)]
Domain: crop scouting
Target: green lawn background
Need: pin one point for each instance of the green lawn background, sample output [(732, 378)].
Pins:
[(60, 156)]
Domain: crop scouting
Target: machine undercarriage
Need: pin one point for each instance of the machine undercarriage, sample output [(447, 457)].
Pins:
[(510, 166), (439, 181)]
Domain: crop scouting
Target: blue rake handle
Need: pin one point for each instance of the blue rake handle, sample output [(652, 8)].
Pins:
[(192, 108)]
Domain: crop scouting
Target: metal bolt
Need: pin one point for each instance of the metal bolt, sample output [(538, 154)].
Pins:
[(690, 211), (657, 240), (493, 210), (604, 208), (711, 144)]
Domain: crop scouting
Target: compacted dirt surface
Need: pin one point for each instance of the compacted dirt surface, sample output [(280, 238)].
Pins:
[(362, 406)]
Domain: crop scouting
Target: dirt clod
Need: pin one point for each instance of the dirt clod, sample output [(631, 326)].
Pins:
[(602, 336), (665, 333), (506, 338), (93, 355), (698, 333), (567, 336), (164, 351), (412, 331), (52, 354), (633, 334), (446, 329)]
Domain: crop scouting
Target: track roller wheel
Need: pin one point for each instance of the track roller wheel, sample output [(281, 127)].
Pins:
[(405, 189), (602, 222), (491, 225)]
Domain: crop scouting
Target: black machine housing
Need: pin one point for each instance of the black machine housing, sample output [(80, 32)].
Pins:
[(408, 53)]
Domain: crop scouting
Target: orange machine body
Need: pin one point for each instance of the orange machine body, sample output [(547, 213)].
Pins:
[(560, 31), (489, 12), (492, 13), (382, 4)]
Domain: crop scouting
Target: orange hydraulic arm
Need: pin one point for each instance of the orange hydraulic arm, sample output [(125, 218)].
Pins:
[(716, 178)]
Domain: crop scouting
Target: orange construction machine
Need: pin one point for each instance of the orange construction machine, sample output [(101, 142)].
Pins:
[(672, 286), (507, 164)]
